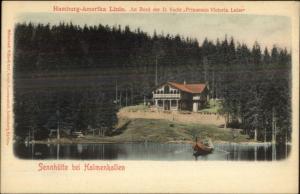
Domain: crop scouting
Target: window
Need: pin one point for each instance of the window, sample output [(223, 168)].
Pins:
[(160, 103), (174, 103), (167, 89)]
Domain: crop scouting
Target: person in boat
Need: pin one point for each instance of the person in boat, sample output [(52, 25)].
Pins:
[(202, 147), (197, 144)]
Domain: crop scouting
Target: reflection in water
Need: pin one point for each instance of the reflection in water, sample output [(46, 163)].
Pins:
[(79, 148), (57, 152), (273, 152), (151, 151)]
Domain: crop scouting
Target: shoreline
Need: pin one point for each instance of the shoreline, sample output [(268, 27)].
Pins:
[(86, 141), (162, 131)]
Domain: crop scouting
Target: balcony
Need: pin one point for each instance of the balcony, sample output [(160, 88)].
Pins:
[(166, 95), (196, 98)]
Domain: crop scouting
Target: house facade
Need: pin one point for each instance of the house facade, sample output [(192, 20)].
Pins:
[(180, 96)]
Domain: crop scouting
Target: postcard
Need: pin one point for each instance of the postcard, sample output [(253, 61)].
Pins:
[(167, 97)]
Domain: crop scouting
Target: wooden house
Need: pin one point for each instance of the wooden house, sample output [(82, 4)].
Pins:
[(180, 96)]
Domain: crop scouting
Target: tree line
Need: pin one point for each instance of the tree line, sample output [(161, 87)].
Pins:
[(253, 83)]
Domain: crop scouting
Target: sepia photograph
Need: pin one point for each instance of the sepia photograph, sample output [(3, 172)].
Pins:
[(158, 97), (152, 87)]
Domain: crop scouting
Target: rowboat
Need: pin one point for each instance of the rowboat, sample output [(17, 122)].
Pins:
[(202, 148)]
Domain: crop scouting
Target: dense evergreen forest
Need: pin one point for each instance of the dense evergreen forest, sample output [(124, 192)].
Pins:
[(69, 74)]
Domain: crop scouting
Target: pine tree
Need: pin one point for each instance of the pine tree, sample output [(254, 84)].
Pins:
[(266, 57)]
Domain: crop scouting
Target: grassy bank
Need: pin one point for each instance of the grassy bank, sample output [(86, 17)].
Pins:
[(158, 130)]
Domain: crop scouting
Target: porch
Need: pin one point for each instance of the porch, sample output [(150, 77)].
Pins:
[(167, 104)]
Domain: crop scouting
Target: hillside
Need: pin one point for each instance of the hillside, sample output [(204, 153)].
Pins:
[(159, 130)]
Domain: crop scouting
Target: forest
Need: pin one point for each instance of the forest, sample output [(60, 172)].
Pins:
[(68, 74)]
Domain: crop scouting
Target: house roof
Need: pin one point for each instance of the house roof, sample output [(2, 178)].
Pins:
[(190, 88)]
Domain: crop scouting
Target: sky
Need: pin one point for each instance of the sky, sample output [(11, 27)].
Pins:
[(266, 30)]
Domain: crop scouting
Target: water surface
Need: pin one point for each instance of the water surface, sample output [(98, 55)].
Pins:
[(151, 151)]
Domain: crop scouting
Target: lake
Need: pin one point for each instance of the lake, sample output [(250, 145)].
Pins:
[(151, 151)]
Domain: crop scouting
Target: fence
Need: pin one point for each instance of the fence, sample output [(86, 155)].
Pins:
[(183, 117)]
